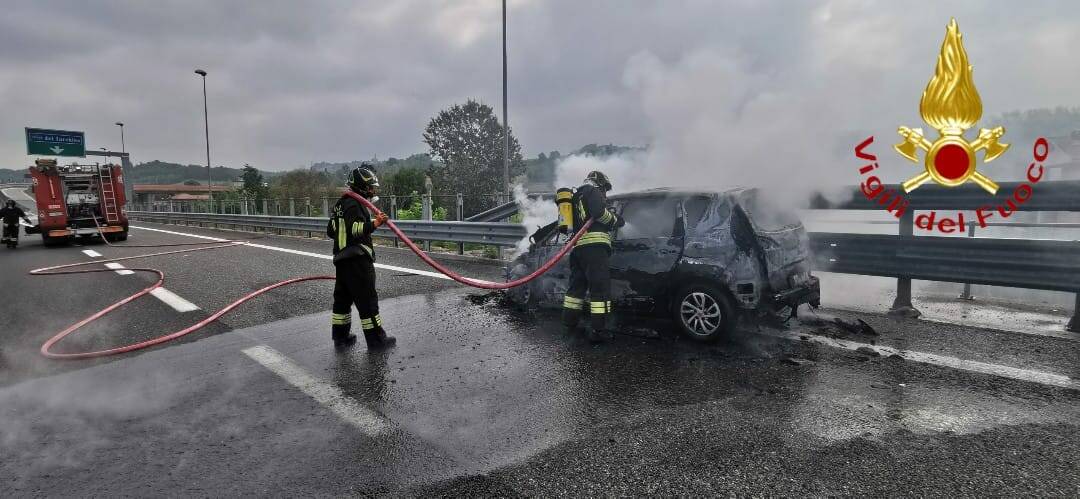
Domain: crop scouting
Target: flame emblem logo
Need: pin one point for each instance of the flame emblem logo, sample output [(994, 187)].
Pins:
[(951, 104)]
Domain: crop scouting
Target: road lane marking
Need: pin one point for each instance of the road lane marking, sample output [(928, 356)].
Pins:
[(1030, 375), (173, 300), (383, 266), (91, 253), (118, 268), (330, 396)]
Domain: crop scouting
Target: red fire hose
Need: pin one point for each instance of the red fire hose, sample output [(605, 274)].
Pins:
[(465, 280), (66, 269)]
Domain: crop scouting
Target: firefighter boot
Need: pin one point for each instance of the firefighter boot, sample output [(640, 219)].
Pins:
[(341, 335), (571, 313), (598, 318), (377, 339), (570, 320)]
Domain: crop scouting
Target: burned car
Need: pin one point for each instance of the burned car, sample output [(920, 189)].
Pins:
[(701, 258)]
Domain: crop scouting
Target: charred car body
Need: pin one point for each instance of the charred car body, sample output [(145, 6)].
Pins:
[(702, 258)]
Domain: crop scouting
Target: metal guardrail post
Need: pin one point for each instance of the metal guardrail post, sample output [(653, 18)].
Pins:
[(292, 207), (393, 214), (426, 215), (1074, 322), (460, 218), (966, 294), (902, 304), (265, 207), (326, 207)]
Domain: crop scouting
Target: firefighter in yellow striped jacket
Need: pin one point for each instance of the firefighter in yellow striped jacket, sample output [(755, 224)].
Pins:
[(350, 228), (589, 267)]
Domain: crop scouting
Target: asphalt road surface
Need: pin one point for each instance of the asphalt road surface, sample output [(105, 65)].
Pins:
[(480, 400)]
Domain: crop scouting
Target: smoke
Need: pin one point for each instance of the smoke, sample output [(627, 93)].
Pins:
[(536, 212)]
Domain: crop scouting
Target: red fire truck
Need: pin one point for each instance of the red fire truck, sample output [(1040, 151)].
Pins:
[(79, 200)]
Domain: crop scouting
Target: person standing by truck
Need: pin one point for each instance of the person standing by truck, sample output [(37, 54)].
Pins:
[(589, 260), (350, 228), (11, 213)]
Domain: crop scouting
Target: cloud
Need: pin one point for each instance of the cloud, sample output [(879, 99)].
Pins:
[(291, 83)]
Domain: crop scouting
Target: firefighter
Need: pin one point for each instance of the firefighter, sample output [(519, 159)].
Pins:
[(350, 228), (589, 271), (11, 214)]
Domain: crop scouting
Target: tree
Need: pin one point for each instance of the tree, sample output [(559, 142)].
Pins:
[(468, 141), (405, 182), (305, 184), (254, 186)]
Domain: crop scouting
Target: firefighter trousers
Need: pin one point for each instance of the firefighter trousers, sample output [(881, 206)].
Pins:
[(355, 285), (11, 231), (589, 273)]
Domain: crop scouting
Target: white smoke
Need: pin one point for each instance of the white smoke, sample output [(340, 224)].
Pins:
[(716, 124), (536, 212)]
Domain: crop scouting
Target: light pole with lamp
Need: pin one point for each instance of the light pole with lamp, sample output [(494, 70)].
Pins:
[(206, 124), (121, 125)]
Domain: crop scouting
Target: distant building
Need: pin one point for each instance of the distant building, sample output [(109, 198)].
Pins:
[(149, 193)]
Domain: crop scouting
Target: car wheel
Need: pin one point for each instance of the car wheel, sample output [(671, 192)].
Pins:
[(704, 313)]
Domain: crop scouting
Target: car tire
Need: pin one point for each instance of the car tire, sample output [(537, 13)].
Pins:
[(703, 313)]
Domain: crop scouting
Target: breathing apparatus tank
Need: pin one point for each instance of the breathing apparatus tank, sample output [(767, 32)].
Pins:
[(566, 213)]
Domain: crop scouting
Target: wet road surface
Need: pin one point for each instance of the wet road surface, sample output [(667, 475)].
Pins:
[(481, 400)]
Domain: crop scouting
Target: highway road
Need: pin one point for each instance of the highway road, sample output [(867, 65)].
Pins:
[(481, 400)]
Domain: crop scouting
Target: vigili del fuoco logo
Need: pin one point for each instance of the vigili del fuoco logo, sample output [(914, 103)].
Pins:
[(951, 105)]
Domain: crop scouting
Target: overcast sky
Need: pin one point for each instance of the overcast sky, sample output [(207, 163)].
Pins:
[(295, 82)]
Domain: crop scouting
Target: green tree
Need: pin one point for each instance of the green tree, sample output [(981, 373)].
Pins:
[(468, 141), (305, 184), (254, 185), (405, 182)]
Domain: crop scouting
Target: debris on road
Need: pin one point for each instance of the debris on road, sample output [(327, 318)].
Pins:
[(857, 326), (796, 361), (868, 351)]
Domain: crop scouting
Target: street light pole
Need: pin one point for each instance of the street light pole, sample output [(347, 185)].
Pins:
[(121, 125), (506, 123), (206, 123)]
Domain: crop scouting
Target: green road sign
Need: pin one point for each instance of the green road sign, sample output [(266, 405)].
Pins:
[(46, 142)]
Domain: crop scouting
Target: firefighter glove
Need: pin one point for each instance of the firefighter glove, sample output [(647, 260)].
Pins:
[(380, 219)]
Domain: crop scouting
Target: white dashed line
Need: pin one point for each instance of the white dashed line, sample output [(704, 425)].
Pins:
[(118, 268), (1040, 377), (330, 396), (307, 253), (173, 300), (91, 253)]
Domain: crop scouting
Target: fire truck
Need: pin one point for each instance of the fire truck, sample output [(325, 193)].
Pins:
[(79, 200)]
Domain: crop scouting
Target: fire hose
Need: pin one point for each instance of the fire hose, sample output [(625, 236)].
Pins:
[(68, 269)]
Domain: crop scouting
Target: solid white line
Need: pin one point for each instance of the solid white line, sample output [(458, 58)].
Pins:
[(91, 253), (118, 268), (383, 266), (173, 300), (1040, 377), (330, 396)]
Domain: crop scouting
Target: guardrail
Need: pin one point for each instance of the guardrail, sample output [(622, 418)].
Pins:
[(496, 234), (1032, 264)]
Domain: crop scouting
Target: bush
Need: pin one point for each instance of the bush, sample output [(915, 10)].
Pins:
[(416, 211)]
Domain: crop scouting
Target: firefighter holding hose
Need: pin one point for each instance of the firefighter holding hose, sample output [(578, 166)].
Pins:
[(589, 270), (11, 214), (350, 228)]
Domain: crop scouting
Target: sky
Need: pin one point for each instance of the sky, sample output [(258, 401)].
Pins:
[(748, 84)]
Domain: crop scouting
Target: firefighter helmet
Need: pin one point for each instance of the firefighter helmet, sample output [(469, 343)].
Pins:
[(599, 179), (363, 180)]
